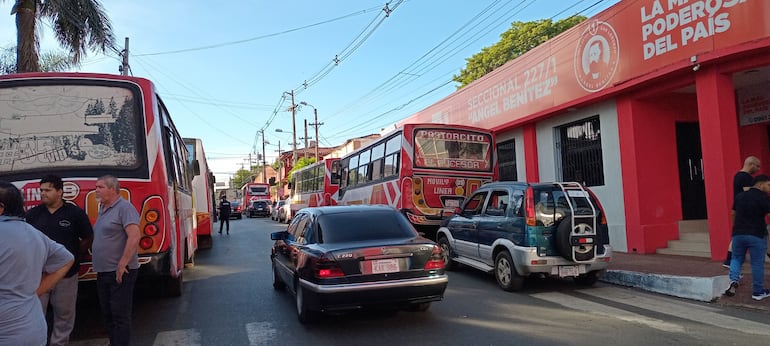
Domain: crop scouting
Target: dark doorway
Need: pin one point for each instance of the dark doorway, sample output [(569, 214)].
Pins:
[(691, 184)]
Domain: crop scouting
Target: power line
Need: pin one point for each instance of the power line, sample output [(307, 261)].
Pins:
[(230, 43)]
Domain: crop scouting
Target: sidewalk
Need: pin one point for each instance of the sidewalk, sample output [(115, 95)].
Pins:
[(683, 276)]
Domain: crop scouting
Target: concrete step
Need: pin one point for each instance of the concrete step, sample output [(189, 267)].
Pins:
[(698, 237), (684, 253), (696, 226), (689, 245)]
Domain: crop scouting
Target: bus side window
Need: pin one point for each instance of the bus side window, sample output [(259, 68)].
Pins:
[(335, 178)]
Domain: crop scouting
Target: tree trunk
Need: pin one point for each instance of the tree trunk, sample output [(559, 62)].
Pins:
[(26, 46)]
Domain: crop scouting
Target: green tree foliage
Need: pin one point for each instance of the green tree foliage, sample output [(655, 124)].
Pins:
[(519, 39), (49, 61), (301, 162), (243, 176), (79, 25)]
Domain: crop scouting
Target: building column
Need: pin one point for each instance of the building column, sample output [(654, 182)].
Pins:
[(530, 153), (721, 152)]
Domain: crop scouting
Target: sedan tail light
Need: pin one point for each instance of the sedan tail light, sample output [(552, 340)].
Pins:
[(325, 267), (436, 260)]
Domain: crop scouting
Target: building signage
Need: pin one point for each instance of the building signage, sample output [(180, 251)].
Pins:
[(626, 41), (754, 104)]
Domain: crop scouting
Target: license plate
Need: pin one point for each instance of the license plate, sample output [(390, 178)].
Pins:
[(565, 271), (452, 203), (384, 266)]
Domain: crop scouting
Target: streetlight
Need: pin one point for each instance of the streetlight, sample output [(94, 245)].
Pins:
[(315, 124)]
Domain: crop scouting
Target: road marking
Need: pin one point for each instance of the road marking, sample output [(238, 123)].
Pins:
[(600, 309), (182, 337), (260, 333), (675, 308)]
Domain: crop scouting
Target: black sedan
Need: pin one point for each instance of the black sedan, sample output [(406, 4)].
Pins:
[(350, 257)]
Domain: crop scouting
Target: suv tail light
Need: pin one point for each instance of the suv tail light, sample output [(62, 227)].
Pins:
[(529, 204), (436, 260), (599, 205), (325, 268)]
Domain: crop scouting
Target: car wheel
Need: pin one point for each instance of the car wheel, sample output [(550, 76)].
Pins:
[(505, 273), (587, 279), (449, 264), (304, 315), (277, 283), (418, 307)]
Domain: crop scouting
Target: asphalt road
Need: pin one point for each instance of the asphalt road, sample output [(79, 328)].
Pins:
[(228, 299)]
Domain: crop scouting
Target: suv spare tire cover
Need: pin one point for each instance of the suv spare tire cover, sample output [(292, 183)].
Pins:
[(583, 253)]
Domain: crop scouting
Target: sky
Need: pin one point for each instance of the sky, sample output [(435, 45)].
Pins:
[(225, 69)]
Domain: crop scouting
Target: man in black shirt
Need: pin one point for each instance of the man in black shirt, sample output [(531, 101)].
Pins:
[(224, 214), (68, 225), (742, 181), (750, 234)]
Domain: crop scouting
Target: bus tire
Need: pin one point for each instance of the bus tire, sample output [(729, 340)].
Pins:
[(189, 261), (174, 285)]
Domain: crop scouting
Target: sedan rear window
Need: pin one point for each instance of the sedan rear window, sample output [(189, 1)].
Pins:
[(361, 226)]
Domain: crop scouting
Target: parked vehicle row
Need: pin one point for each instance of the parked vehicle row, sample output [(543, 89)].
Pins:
[(348, 257)]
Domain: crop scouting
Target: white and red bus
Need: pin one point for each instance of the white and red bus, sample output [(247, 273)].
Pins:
[(203, 192), (314, 185), (424, 170), (253, 192), (81, 126)]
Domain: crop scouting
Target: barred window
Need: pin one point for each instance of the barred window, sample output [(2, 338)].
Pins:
[(580, 147), (506, 160)]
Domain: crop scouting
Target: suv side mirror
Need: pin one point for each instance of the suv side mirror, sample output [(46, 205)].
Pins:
[(279, 235)]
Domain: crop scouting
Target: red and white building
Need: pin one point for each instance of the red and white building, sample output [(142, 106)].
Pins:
[(654, 104)]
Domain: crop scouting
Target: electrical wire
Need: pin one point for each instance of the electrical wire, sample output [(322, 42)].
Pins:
[(230, 43)]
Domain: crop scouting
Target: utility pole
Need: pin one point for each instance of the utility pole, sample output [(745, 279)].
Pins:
[(280, 168), (293, 129), (264, 159), (317, 139), (124, 65), (305, 149)]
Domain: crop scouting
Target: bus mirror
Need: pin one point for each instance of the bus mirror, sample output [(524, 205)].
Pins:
[(196, 166), (288, 185)]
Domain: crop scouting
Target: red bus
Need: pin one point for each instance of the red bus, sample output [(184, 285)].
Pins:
[(424, 170), (203, 192), (253, 192), (314, 185), (81, 126)]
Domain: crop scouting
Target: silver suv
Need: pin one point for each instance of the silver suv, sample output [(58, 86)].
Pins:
[(516, 229)]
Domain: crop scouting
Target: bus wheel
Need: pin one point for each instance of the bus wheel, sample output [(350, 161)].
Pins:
[(174, 286), (189, 261)]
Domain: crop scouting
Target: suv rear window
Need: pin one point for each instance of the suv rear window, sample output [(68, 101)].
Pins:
[(259, 204), (551, 205), (370, 225)]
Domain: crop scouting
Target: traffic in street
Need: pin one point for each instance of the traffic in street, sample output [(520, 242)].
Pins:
[(228, 299)]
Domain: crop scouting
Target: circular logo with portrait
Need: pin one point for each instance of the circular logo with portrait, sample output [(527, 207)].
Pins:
[(596, 56)]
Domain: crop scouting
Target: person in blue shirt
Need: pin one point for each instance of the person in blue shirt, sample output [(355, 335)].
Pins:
[(32, 264)]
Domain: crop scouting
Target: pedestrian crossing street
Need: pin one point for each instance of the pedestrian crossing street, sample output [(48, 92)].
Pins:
[(264, 333)]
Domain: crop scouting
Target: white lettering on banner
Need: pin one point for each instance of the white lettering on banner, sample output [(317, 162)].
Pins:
[(523, 87), (694, 21)]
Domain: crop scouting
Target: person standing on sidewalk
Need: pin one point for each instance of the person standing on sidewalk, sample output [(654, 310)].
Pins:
[(742, 181), (750, 234), (67, 225), (115, 258), (30, 265), (224, 214)]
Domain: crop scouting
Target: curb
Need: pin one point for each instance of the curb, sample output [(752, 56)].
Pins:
[(706, 289)]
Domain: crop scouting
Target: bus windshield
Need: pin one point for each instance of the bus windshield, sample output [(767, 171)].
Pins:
[(44, 127), (452, 149)]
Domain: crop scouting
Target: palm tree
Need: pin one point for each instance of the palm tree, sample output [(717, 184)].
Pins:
[(79, 25)]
